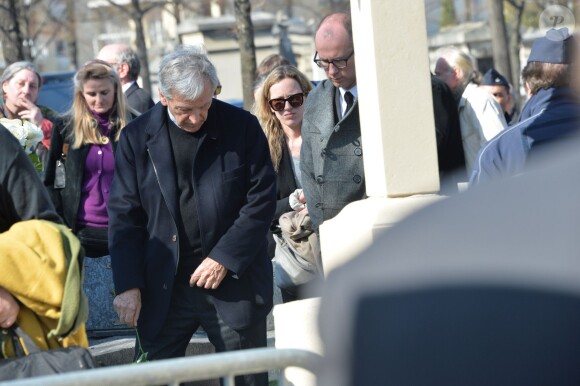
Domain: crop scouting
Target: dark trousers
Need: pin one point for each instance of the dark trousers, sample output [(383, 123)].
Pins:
[(191, 308)]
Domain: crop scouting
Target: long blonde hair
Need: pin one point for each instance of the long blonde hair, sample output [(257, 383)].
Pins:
[(82, 123), (270, 124)]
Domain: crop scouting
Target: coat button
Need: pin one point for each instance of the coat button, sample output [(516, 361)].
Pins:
[(357, 179), (323, 152), (165, 286), (358, 151), (174, 238), (318, 205), (320, 179)]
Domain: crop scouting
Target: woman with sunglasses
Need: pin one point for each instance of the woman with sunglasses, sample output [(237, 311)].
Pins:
[(279, 109), (84, 141)]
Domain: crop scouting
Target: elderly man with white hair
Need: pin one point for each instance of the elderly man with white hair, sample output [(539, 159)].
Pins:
[(480, 116)]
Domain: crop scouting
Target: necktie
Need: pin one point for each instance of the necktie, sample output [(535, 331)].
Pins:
[(349, 99)]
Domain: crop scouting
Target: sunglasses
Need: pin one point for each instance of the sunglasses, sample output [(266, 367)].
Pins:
[(295, 100)]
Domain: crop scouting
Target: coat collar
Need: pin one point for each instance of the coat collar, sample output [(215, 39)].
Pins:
[(543, 98), (322, 116), (132, 88), (157, 120), (159, 146)]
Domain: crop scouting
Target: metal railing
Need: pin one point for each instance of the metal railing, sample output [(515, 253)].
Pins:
[(193, 368)]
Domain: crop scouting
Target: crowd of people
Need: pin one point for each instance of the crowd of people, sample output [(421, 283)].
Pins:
[(185, 198)]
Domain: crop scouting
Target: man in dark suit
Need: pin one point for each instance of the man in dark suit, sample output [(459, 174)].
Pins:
[(191, 202), (331, 155), (126, 62)]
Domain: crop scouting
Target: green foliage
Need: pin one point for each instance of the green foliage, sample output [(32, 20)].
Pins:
[(35, 162), (448, 17), (531, 16)]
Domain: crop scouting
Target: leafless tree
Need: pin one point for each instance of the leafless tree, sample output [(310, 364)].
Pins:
[(12, 34), (71, 32), (23, 22), (515, 42), (499, 41), (245, 31), (136, 12)]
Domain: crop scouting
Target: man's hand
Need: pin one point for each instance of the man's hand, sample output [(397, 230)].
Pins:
[(9, 309), (209, 274), (128, 306), (29, 111)]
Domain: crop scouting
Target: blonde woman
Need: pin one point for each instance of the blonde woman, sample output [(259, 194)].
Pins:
[(86, 137), (279, 109), (84, 140)]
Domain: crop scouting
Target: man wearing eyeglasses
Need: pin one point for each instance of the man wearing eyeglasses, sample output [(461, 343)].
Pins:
[(331, 155)]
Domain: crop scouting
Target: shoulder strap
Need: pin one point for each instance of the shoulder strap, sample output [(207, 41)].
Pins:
[(25, 343)]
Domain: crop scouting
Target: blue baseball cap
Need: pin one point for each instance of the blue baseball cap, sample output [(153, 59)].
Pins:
[(558, 46), (494, 78)]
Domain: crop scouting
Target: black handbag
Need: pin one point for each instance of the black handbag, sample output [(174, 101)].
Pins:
[(39, 362), (95, 241)]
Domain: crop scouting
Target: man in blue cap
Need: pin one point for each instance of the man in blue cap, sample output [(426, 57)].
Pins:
[(500, 88), (552, 112)]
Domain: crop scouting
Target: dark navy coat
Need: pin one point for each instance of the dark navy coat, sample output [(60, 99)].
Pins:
[(138, 99), (549, 115), (235, 187)]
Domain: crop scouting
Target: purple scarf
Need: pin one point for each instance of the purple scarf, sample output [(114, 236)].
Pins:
[(103, 120)]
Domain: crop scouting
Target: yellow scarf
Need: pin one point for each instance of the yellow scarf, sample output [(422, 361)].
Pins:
[(41, 267)]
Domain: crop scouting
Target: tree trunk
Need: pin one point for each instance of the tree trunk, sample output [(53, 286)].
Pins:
[(177, 16), (288, 8), (71, 32), (499, 42), (243, 10), (12, 40), (468, 10), (515, 41), (137, 16)]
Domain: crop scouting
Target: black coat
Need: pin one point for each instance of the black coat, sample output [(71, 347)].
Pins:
[(448, 132), (138, 99), (22, 196), (67, 200), (285, 185), (235, 194)]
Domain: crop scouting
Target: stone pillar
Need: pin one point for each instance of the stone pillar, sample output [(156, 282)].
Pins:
[(397, 126), (297, 327), (399, 146)]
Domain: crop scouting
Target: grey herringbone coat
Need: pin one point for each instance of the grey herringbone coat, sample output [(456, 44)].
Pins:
[(331, 156)]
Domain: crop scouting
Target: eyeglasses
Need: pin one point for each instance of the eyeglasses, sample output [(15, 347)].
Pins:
[(338, 62), (295, 100)]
